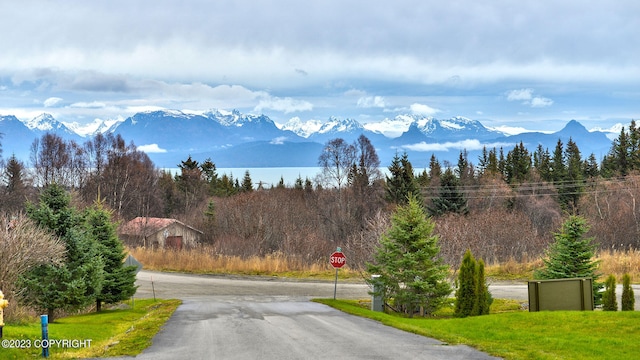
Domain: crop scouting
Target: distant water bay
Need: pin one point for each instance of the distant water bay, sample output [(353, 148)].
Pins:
[(271, 175)]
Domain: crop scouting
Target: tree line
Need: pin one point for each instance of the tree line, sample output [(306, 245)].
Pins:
[(504, 205)]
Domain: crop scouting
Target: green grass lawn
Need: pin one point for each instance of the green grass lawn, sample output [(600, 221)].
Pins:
[(111, 332), (525, 335)]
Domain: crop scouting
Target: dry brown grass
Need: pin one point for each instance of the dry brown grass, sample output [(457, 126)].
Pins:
[(206, 260), (618, 263), (612, 262)]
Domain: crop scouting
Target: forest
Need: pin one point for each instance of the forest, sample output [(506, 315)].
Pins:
[(503, 206)]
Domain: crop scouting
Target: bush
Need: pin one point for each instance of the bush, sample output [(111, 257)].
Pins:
[(472, 295), (628, 299), (609, 302)]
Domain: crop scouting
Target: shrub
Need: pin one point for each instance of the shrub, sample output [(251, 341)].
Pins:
[(472, 295), (609, 302), (628, 299)]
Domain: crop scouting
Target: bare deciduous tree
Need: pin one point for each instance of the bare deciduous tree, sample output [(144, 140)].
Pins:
[(24, 245), (336, 161)]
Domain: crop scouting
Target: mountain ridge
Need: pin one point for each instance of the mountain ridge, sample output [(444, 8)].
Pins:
[(246, 140)]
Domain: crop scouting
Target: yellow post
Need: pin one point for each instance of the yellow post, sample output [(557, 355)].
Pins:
[(3, 304)]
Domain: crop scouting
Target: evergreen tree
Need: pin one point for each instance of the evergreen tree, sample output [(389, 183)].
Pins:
[(16, 185), (119, 279), (542, 163), (572, 185), (450, 198), (412, 273), (435, 170), (571, 255), (308, 185), (617, 161), (493, 166), (247, 184), (77, 282), (210, 175), (466, 292), (591, 169), (298, 184), (465, 168), (634, 146), (609, 302), (518, 164), (189, 182), (483, 160), (501, 163), (558, 170), (402, 184), (628, 300), (472, 296), (483, 298)]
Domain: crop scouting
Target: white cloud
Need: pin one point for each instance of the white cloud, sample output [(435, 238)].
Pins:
[(520, 95), (538, 102), (457, 145), (527, 98), (421, 109), (278, 141), (88, 105), (371, 102), (286, 105), (151, 148), (52, 101)]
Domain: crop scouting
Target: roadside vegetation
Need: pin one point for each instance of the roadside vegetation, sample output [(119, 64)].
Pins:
[(519, 334), (205, 260), (125, 330)]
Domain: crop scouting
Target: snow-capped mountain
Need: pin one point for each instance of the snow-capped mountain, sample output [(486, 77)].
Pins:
[(456, 128), (43, 122), (233, 139), (335, 125), (302, 128), (98, 126), (46, 123)]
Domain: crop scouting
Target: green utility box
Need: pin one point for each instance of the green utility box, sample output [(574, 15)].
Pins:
[(561, 294)]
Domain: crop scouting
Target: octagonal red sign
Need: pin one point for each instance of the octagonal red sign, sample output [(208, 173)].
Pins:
[(337, 260)]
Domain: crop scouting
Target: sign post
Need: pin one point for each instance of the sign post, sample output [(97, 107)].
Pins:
[(337, 260)]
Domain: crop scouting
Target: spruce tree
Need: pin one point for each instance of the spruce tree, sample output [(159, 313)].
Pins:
[(572, 185), (74, 284), (119, 279), (628, 300), (412, 273), (247, 183), (609, 302), (450, 198), (402, 183), (571, 255)]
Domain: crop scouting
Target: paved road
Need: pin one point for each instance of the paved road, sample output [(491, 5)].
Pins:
[(225, 317), (239, 318)]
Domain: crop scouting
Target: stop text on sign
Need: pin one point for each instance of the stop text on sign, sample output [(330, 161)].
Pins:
[(337, 260)]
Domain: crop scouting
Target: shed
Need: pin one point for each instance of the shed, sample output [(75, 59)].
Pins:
[(159, 232)]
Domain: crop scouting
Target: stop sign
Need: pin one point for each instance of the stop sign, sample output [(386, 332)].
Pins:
[(337, 260)]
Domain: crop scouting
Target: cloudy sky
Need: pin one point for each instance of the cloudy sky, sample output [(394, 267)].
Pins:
[(527, 64)]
